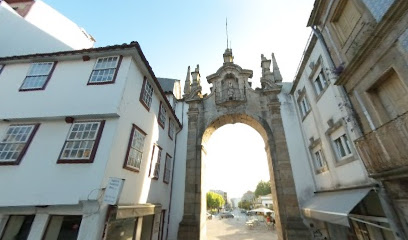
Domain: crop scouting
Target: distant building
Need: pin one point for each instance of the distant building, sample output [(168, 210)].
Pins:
[(235, 201), (248, 196), (264, 201), (32, 26)]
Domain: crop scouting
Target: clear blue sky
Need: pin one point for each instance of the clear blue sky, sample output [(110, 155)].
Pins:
[(174, 34), (178, 33)]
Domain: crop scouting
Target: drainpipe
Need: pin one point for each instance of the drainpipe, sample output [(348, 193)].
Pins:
[(172, 172), (390, 211), (350, 114)]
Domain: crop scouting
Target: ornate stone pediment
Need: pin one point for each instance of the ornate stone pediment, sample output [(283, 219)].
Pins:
[(230, 82)]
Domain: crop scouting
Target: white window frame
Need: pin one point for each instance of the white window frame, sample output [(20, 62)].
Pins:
[(342, 147), (81, 142), (319, 160), (15, 143), (320, 83), (146, 95), (304, 105), (37, 76), (134, 156), (105, 70), (162, 115), (167, 169)]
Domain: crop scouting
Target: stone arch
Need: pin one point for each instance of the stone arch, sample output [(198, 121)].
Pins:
[(289, 224), (260, 109), (253, 121)]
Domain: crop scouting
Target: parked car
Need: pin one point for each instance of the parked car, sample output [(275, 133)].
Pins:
[(226, 215), (209, 216)]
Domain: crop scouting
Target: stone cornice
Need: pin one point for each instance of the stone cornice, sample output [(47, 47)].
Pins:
[(383, 28), (226, 67)]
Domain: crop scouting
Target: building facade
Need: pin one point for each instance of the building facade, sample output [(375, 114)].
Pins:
[(329, 127), (367, 43), (75, 122)]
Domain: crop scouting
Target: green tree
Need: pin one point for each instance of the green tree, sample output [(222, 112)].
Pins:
[(263, 188), (214, 200), (244, 205)]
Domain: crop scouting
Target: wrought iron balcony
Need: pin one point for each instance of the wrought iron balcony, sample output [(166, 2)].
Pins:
[(230, 95), (385, 148)]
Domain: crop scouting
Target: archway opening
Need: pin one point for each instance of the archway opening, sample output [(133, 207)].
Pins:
[(234, 163)]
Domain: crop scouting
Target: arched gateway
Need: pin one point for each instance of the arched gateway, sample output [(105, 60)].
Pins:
[(233, 100)]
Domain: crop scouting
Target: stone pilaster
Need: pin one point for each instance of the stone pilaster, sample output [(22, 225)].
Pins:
[(189, 227), (290, 225)]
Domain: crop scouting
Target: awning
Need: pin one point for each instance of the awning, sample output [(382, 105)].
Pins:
[(334, 207), (138, 210)]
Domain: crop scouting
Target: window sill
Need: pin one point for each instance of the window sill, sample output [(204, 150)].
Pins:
[(69, 161), (304, 117), (318, 97), (160, 124), (100, 83), (145, 106), (31, 89), (321, 170), (345, 160), (9, 163), (131, 169)]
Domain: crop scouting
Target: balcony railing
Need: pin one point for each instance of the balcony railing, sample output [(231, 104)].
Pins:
[(230, 94), (385, 148)]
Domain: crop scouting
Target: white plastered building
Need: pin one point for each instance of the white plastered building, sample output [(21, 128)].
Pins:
[(345, 202), (32, 26), (73, 121)]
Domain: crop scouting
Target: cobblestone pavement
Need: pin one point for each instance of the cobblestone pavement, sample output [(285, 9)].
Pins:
[(235, 229)]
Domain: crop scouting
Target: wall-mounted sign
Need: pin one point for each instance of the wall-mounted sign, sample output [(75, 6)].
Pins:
[(113, 190)]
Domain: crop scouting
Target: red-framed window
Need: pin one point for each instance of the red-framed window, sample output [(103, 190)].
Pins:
[(162, 115), (167, 169), (171, 129), (15, 143), (134, 154), (154, 171), (82, 142), (105, 70), (146, 94), (38, 76)]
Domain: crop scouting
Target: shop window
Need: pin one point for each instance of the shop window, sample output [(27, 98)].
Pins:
[(63, 228), (18, 227)]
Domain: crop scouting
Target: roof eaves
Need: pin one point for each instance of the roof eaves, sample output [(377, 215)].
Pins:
[(306, 55), (149, 68), (313, 15)]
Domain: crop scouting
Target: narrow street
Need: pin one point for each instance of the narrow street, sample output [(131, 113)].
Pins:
[(235, 229)]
